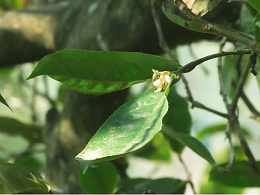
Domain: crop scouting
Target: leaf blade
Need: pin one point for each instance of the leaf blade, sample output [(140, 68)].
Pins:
[(129, 128), (99, 72)]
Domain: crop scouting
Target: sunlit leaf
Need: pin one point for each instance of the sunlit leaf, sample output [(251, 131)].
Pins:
[(129, 128), (201, 7), (99, 179), (153, 186), (192, 143), (240, 174), (99, 72), (17, 179)]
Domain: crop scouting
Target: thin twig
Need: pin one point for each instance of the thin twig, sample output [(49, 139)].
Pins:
[(226, 102), (190, 66), (163, 44), (218, 29), (187, 173), (198, 104)]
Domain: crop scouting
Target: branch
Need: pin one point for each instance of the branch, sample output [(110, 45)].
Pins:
[(218, 29), (190, 66)]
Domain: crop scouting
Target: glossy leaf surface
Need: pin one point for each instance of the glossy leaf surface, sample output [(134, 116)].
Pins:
[(99, 179), (17, 179), (129, 128), (99, 72)]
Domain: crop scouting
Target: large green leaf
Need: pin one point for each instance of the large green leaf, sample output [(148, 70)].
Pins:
[(99, 179), (129, 128), (17, 179), (99, 72), (153, 186), (192, 143), (178, 118), (2, 100), (15, 127), (240, 175)]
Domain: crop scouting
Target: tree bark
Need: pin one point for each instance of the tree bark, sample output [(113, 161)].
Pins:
[(125, 25)]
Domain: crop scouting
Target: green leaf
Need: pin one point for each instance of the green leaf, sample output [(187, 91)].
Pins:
[(14, 127), (254, 3), (190, 25), (99, 179), (99, 72), (153, 186), (216, 128), (192, 143), (129, 128), (2, 100), (240, 174), (158, 149), (17, 179), (178, 118)]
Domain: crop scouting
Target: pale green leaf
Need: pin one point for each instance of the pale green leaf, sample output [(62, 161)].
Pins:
[(129, 128)]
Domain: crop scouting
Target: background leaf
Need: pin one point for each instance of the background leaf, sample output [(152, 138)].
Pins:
[(17, 179), (98, 72), (153, 186), (99, 179), (129, 128), (177, 118), (2, 100), (240, 175), (192, 143), (14, 127)]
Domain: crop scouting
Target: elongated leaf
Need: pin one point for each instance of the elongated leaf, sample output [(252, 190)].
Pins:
[(98, 72), (192, 143), (17, 179), (153, 186), (100, 179), (177, 118), (129, 128), (240, 174), (15, 127), (2, 100)]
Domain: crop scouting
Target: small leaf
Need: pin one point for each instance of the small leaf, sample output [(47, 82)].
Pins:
[(99, 179), (17, 179), (192, 143), (99, 72), (240, 174), (153, 186), (2, 100), (129, 128)]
